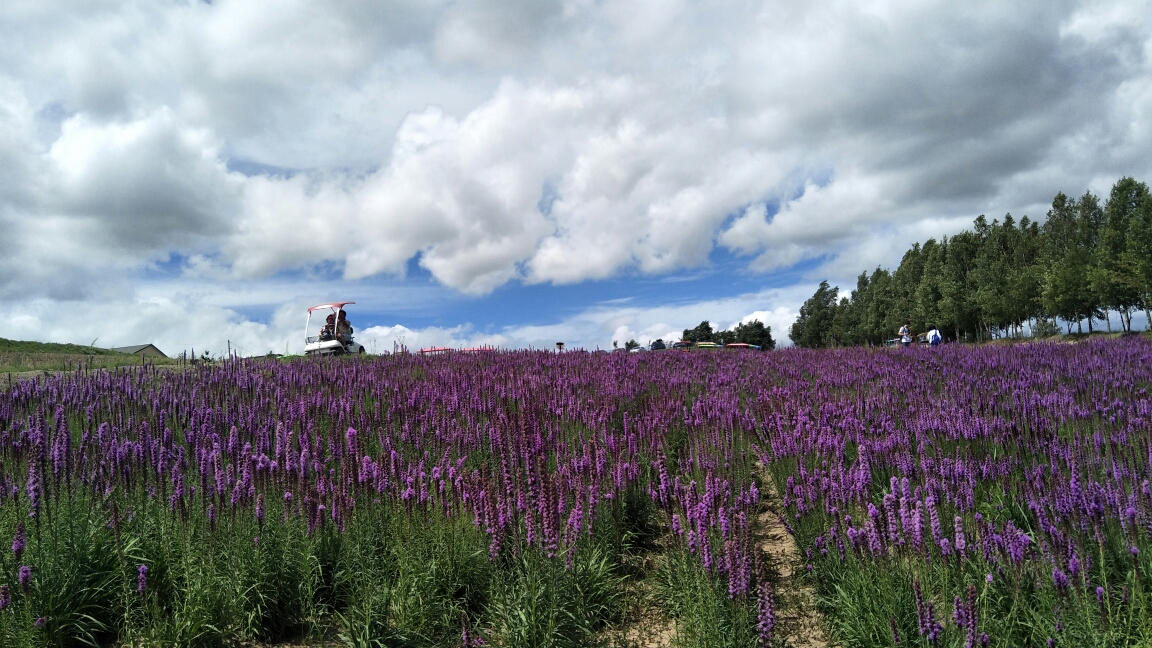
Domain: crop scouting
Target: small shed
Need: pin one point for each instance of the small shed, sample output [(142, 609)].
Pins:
[(142, 349)]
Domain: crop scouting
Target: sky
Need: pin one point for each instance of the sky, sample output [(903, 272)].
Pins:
[(522, 172)]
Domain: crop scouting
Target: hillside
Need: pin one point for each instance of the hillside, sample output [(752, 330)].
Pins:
[(20, 356), (23, 346)]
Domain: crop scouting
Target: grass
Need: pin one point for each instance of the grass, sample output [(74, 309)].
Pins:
[(21, 356), (26, 346), (22, 362)]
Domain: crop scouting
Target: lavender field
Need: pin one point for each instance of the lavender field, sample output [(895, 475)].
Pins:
[(958, 496)]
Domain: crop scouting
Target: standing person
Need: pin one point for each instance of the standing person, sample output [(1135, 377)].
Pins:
[(934, 337), (905, 335)]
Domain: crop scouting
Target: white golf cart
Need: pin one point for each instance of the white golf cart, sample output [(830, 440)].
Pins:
[(328, 339)]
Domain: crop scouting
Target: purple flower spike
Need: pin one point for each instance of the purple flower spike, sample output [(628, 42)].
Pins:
[(141, 578), (24, 577), (5, 596), (19, 542), (39, 622)]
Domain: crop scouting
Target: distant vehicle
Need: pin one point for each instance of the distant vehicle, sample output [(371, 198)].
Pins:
[(683, 345), (330, 340), (742, 345), (707, 346), (658, 345)]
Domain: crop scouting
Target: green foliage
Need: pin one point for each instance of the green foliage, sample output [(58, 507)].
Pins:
[(706, 617), (23, 346), (753, 332), (702, 333), (813, 328), (541, 602), (1003, 278)]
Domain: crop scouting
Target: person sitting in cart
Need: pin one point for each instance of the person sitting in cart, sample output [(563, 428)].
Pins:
[(343, 329), (329, 329)]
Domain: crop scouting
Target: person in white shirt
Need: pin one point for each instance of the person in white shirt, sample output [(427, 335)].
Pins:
[(934, 337), (905, 335)]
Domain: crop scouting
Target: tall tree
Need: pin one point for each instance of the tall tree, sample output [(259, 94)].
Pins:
[(993, 265), (930, 291), (702, 333), (1139, 253), (754, 332), (1070, 236), (905, 282), (813, 327), (957, 306), (1026, 275), (1115, 281)]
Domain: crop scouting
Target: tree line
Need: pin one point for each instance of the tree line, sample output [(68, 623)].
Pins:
[(753, 332), (1003, 279)]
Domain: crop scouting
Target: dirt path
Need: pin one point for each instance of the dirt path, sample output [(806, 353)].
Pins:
[(650, 629), (797, 620)]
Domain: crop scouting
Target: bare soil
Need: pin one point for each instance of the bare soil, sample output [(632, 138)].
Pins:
[(798, 622)]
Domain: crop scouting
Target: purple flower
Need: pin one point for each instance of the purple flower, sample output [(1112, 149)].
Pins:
[(933, 626), (921, 609), (19, 542), (765, 611), (5, 596), (970, 613), (350, 439), (33, 488), (39, 622), (24, 577), (1060, 579), (141, 578)]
